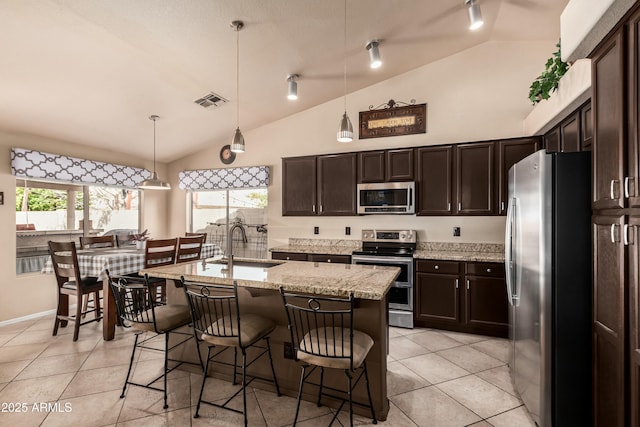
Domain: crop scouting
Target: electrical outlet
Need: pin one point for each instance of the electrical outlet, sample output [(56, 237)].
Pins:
[(288, 350), (347, 231), (456, 231), (316, 230)]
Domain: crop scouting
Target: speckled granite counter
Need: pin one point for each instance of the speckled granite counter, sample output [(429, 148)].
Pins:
[(367, 282), (483, 252)]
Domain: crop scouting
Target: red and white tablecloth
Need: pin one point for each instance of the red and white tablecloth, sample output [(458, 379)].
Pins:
[(119, 261)]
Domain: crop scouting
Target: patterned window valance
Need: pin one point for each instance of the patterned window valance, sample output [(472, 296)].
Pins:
[(223, 179), (54, 167)]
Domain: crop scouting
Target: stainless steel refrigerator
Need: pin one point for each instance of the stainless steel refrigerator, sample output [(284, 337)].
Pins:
[(548, 264)]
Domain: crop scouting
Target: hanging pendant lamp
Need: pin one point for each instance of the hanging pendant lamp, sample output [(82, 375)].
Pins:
[(345, 131), (237, 144), (154, 183)]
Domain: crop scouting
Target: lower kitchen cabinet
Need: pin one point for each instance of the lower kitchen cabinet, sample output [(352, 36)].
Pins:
[(461, 296), (297, 256)]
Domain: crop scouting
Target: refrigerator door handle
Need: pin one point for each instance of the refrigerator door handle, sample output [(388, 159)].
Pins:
[(508, 259)]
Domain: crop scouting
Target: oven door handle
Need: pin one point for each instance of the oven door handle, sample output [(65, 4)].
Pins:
[(378, 260), (402, 285)]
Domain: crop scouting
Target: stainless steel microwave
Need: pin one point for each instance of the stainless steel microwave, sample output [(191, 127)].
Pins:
[(386, 198)]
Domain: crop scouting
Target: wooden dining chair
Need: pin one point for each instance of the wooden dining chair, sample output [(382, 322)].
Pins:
[(204, 236), (159, 252), (70, 283), (92, 242), (189, 248)]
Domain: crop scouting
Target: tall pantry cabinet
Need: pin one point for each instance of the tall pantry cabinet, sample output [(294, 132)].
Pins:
[(616, 225)]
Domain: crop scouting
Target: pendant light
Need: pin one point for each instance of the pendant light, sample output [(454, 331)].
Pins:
[(154, 183), (345, 131), (475, 15), (237, 144)]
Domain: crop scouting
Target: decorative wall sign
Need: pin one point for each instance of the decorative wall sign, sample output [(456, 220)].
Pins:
[(223, 179), (393, 119)]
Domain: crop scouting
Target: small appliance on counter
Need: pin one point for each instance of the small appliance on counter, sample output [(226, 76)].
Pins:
[(393, 248)]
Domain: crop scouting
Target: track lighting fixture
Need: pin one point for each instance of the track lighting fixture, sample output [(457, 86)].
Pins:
[(292, 87), (374, 54), (475, 15)]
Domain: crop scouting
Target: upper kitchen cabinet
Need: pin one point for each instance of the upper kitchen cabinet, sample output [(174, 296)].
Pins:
[(337, 184), (319, 185), (299, 186), (386, 165), (570, 133), (474, 178), (552, 140), (586, 127), (608, 73), (510, 152), (434, 180)]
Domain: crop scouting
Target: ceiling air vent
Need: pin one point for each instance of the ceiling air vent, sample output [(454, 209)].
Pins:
[(211, 100)]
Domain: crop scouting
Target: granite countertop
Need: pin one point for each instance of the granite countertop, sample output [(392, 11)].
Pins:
[(482, 252), (364, 281), (314, 249)]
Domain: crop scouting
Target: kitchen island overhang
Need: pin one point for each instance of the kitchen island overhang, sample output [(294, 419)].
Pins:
[(258, 291)]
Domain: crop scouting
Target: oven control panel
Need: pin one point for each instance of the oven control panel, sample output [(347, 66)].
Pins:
[(399, 236)]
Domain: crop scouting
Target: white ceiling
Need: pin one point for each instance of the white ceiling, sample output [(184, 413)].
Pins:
[(92, 71)]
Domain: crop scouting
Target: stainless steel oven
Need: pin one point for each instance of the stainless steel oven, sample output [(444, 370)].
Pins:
[(392, 248)]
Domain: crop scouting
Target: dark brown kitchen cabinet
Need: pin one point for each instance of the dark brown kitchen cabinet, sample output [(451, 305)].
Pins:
[(297, 256), (570, 133), (437, 294), (319, 185), (609, 320), (634, 320), (400, 165), (466, 297), (337, 184), (586, 127), (474, 178), (299, 186), (289, 256), (434, 180), (486, 305), (386, 165), (511, 151), (608, 73), (371, 166), (552, 140), (336, 259)]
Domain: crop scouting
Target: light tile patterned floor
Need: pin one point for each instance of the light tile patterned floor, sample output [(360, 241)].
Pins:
[(435, 378)]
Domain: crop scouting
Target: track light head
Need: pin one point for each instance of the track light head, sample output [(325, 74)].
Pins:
[(475, 15), (374, 54)]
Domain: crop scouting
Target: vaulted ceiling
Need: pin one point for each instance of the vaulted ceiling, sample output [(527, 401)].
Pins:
[(92, 71)]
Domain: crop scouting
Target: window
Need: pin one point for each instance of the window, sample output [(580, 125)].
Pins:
[(247, 219), (50, 211)]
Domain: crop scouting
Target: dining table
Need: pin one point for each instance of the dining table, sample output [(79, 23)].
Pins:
[(119, 261)]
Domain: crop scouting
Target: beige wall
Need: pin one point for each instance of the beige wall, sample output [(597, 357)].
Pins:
[(480, 93), (25, 294)]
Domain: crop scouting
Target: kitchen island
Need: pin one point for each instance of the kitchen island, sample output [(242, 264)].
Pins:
[(258, 291)]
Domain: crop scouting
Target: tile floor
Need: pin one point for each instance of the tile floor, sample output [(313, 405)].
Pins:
[(435, 378)]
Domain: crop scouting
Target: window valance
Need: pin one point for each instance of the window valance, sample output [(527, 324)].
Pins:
[(54, 167), (224, 179)]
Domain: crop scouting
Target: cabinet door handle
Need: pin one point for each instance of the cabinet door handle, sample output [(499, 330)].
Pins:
[(459, 206), (612, 189), (467, 284), (501, 206), (457, 283), (328, 260), (314, 208), (436, 267), (448, 206), (613, 233), (626, 187), (320, 208), (488, 270), (625, 234), (288, 258)]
